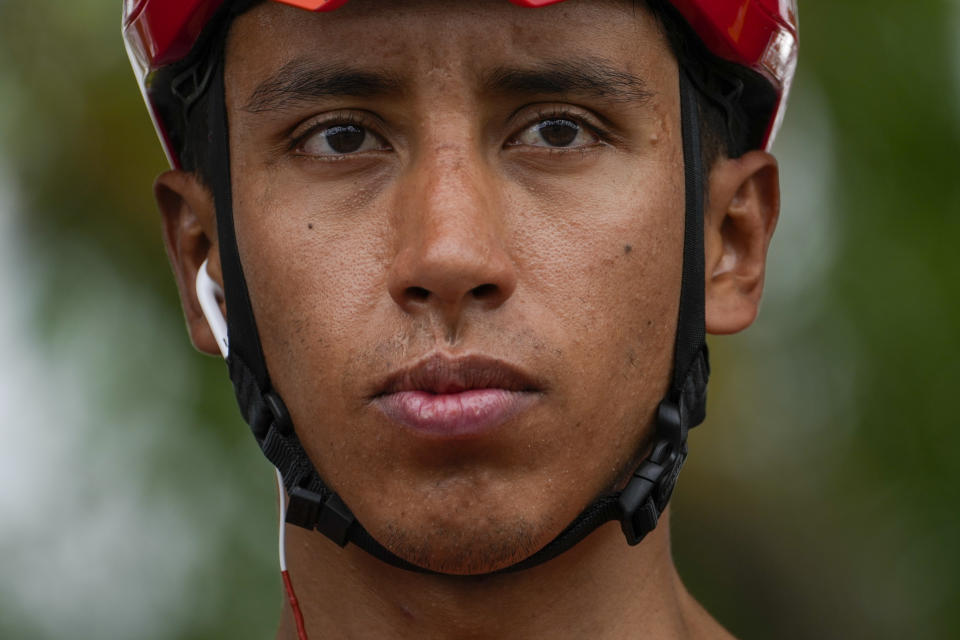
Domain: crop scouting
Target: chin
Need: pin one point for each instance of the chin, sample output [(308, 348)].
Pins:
[(467, 549)]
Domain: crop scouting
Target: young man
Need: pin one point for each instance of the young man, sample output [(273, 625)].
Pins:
[(466, 253)]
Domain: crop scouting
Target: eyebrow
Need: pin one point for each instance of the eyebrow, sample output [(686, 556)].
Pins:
[(594, 77), (299, 82)]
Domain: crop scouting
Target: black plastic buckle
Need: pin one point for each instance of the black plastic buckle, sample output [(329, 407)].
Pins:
[(281, 417), (304, 506), (670, 423), (638, 512), (641, 501), (332, 517)]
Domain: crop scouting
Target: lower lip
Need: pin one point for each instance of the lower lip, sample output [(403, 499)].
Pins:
[(454, 414)]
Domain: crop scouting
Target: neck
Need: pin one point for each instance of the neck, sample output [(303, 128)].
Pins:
[(601, 588)]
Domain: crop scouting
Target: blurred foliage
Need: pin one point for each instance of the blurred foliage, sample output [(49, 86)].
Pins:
[(820, 499)]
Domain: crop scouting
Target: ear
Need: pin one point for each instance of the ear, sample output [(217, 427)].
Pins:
[(190, 236), (742, 211)]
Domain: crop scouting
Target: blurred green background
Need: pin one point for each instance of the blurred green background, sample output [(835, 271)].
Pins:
[(820, 499)]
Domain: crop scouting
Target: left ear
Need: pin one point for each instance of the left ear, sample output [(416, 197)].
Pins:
[(741, 214)]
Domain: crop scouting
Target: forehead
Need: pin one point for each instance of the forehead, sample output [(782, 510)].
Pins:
[(421, 41)]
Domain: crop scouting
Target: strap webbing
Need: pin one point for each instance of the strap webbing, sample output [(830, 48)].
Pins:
[(690, 362), (241, 325)]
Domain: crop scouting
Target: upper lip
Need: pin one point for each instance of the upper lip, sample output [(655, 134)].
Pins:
[(442, 374)]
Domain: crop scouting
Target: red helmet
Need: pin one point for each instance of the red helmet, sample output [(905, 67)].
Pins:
[(758, 34)]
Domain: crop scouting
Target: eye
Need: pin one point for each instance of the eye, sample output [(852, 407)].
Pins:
[(340, 140), (557, 133)]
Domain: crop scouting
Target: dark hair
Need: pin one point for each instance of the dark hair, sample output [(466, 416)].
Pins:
[(735, 103), (733, 100)]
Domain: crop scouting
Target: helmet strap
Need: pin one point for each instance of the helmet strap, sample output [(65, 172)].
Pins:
[(314, 506)]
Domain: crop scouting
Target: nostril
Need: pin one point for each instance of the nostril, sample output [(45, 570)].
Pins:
[(417, 294), (485, 291)]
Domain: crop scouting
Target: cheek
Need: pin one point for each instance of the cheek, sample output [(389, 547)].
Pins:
[(316, 275), (603, 260), (601, 265)]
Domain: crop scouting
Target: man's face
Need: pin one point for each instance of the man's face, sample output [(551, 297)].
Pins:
[(494, 191)]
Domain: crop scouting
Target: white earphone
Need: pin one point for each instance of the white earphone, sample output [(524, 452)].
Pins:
[(210, 296)]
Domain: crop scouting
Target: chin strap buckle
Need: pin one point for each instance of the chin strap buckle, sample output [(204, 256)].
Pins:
[(330, 517), (648, 491)]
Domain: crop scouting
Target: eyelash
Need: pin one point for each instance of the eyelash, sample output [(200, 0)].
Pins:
[(574, 115), (300, 135)]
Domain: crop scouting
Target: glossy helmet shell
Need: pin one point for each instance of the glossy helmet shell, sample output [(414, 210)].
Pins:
[(758, 34)]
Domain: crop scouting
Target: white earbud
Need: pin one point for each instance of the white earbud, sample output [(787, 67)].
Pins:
[(211, 295)]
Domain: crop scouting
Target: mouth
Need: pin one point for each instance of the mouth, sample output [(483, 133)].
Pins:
[(448, 397)]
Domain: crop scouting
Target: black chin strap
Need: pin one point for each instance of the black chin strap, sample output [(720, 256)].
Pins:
[(314, 506)]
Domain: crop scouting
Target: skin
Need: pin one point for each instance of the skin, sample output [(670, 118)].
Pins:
[(458, 230)]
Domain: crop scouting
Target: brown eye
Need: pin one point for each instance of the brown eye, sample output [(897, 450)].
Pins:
[(557, 133), (345, 139), (341, 139)]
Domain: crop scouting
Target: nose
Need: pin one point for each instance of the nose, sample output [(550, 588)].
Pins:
[(452, 254)]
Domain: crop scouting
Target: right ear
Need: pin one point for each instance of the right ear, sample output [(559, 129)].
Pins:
[(190, 236)]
